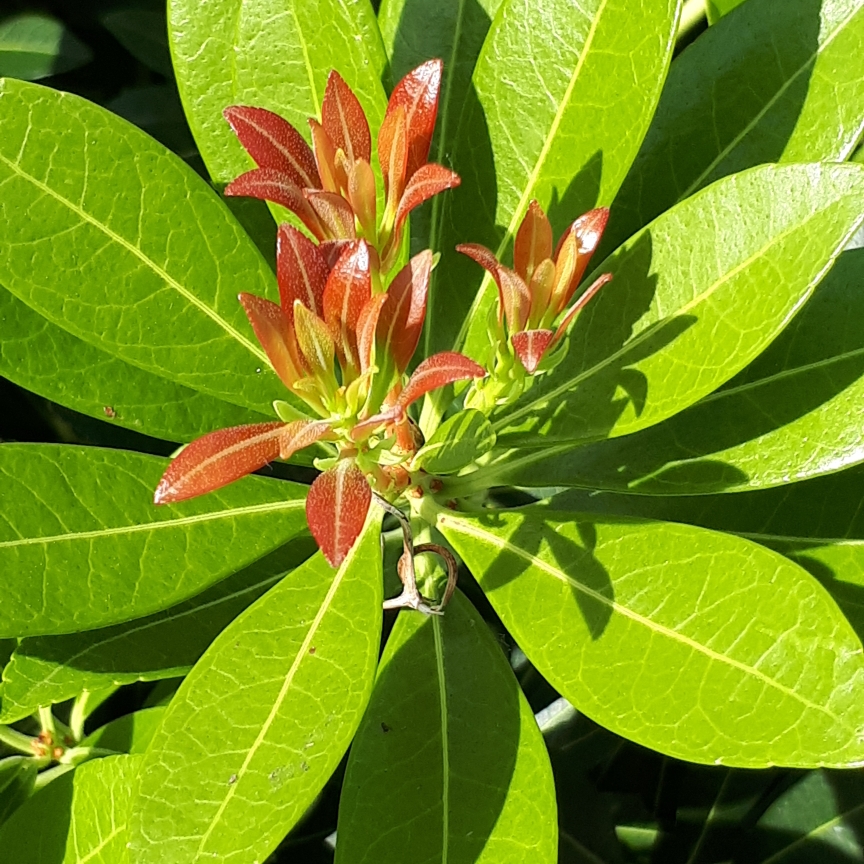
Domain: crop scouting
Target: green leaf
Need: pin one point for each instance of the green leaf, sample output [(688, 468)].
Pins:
[(49, 669), (681, 318), (131, 733), (83, 546), (716, 9), (157, 110), (820, 818), (456, 443), (723, 651), (775, 82), (562, 94), (452, 30), (446, 708), (50, 361), (35, 46), (263, 719), (282, 52), (80, 816), (165, 256), (17, 779), (795, 412), (141, 31)]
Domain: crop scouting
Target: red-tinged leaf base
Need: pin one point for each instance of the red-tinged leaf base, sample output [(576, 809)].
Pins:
[(336, 509), (219, 458)]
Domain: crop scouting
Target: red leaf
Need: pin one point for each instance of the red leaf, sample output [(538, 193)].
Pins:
[(336, 509), (334, 213), (401, 320), (270, 185), (348, 289), (418, 94), (513, 294), (301, 271), (301, 433), (332, 177), (574, 251), (344, 120), (273, 330), (428, 180), (541, 288), (437, 371), (584, 297), (332, 251), (533, 242), (530, 346), (219, 458), (393, 155), (366, 327), (274, 143), (366, 427)]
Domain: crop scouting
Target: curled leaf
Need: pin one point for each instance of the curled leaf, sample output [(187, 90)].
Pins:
[(428, 180), (336, 509), (334, 213), (438, 371), (218, 458)]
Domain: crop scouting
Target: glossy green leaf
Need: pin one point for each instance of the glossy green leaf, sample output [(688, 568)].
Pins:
[(703, 646), (819, 819), (50, 361), (415, 31), (165, 257), (17, 779), (83, 546), (796, 412), (447, 708), (142, 32), (282, 52), (716, 9), (79, 817), (263, 719), (35, 46), (561, 96), (457, 442), (775, 82), (131, 733), (49, 669), (681, 318)]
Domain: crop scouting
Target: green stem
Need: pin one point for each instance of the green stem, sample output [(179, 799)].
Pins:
[(16, 740), (46, 720)]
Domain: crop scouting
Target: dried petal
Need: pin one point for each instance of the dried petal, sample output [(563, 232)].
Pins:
[(428, 180), (417, 93), (301, 271), (273, 330), (301, 433), (218, 458), (344, 120), (437, 371), (348, 289), (336, 509), (530, 346), (584, 297), (270, 185), (401, 320), (334, 212), (533, 242), (274, 143)]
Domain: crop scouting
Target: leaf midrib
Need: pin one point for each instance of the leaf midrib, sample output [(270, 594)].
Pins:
[(184, 292), (155, 526), (506, 545)]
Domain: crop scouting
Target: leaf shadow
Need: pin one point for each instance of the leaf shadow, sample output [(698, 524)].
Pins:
[(591, 586)]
